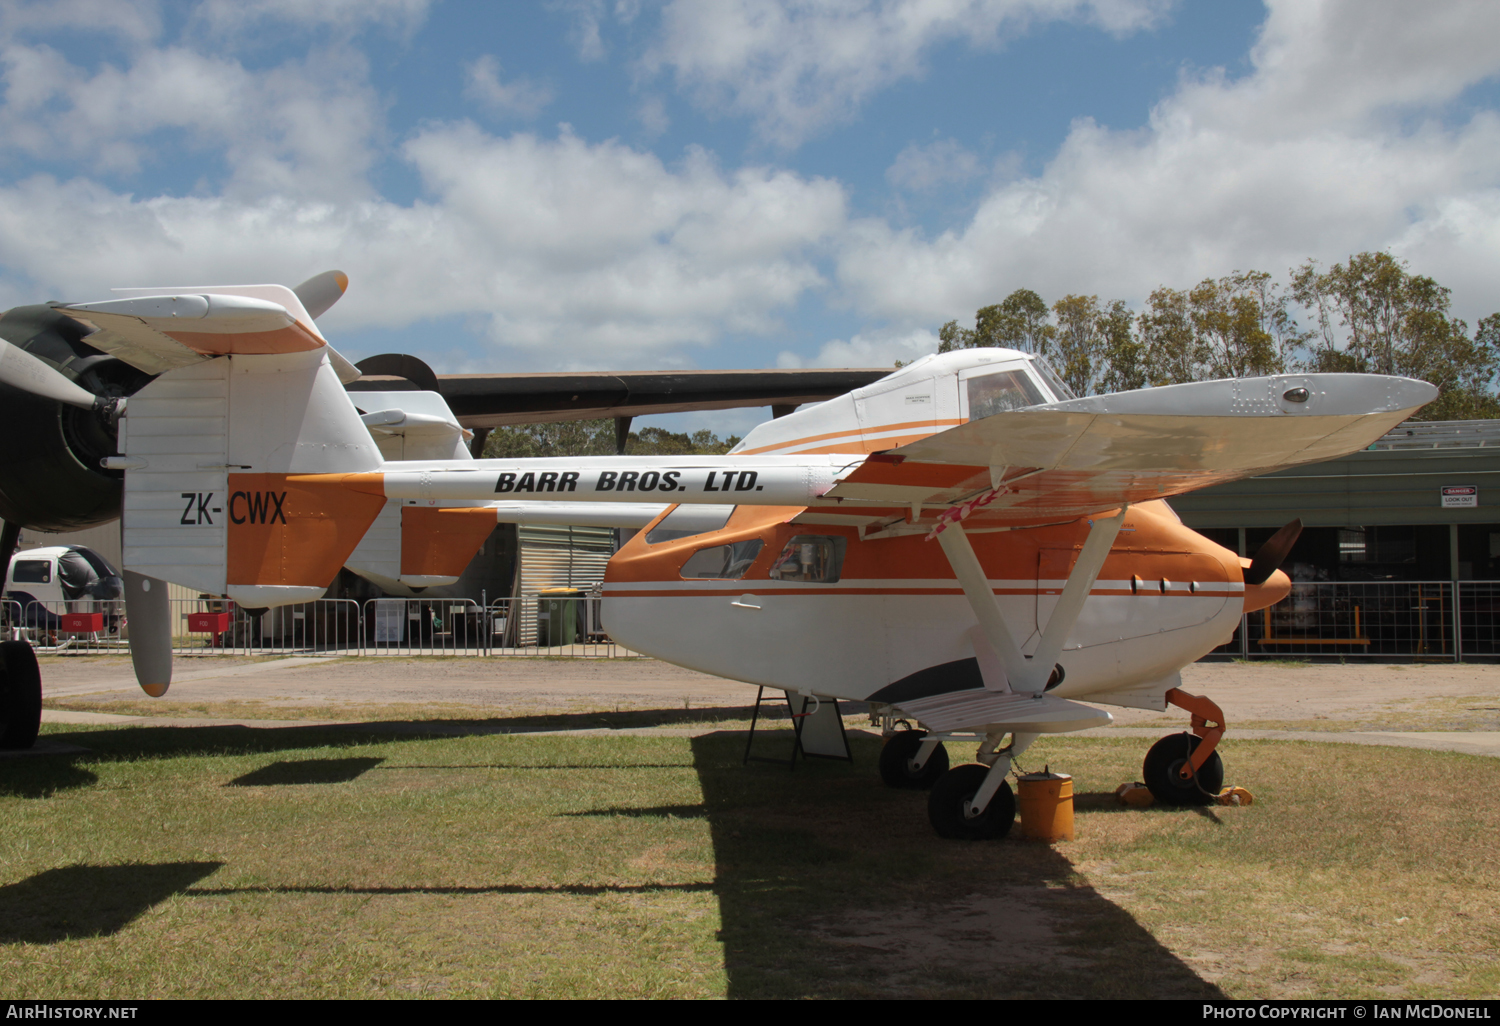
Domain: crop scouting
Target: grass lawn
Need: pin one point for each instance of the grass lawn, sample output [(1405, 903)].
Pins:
[(360, 862)]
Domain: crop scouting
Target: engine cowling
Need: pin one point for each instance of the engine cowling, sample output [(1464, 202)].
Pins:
[(50, 477)]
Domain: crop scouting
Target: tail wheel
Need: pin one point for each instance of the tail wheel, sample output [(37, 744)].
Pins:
[(20, 695), (895, 761), (1163, 766), (948, 806)]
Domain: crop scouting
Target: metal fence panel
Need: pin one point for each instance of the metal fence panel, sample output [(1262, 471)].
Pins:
[(84, 626), (415, 626), (556, 626)]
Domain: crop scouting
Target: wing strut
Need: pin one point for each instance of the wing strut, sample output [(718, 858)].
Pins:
[(1030, 674)]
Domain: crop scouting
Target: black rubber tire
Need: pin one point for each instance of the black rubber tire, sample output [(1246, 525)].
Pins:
[(945, 806), (1160, 772), (900, 748), (20, 695)]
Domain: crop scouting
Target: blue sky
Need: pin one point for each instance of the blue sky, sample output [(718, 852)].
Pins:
[(719, 183)]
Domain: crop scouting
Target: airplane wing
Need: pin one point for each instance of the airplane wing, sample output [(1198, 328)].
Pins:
[(482, 401), (1046, 464)]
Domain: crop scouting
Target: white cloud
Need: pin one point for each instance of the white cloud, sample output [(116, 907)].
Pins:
[(228, 18), (303, 126), (925, 168), (652, 114), (584, 17), (590, 255), (519, 97), (794, 66), (1312, 154), (872, 349), (135, 22)]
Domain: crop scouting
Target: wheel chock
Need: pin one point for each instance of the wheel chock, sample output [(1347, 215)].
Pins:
[(1235, 796), (1135, 795)]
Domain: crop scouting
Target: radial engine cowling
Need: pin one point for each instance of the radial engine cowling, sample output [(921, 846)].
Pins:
[(50, 477)]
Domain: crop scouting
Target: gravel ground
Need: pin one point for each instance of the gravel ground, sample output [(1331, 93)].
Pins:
[(1261, 694)]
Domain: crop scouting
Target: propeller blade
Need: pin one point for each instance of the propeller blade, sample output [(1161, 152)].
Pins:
[(1273, 553), (19, 369), (321, 291)]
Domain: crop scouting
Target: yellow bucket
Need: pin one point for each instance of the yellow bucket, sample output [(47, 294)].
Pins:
[(1046, 801)]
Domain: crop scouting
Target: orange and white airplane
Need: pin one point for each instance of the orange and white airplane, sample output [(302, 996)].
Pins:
[(963, 544)]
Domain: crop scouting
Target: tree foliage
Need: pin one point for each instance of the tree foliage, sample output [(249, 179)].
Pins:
[(597, 438), (1370, 315)]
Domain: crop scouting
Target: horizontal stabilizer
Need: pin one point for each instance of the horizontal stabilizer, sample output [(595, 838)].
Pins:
[(157, 330)]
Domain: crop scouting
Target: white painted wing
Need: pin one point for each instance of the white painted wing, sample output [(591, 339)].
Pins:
[(1070, 459)]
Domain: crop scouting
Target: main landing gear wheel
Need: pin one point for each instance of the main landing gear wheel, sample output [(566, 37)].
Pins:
[(20, 695), (948, 806), (895, 761), (1162, 770)]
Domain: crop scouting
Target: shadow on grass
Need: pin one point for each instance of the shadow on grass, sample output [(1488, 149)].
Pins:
[(41, 778), (579, 889), (89, 901), (659, 812), (611, 766), (306, 771), (833, 886)]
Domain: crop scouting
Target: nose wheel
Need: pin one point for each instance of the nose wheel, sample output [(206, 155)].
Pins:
[(1164, 766)]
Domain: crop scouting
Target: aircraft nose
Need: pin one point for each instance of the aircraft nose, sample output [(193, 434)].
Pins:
[(1269, 592)]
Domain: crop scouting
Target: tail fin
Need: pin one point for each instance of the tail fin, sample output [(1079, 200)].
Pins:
[(209, 449)]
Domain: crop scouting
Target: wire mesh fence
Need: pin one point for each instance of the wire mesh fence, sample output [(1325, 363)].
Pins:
[(1416, 619), (1479, 618)]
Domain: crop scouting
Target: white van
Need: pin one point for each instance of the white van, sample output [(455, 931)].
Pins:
[(46, 582)]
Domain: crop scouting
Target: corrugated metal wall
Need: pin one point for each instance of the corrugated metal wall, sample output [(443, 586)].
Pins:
[(564, 557)]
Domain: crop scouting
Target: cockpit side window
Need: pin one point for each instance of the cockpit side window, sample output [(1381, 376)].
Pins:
[(810, 557), (722, 562), (1001, 392)]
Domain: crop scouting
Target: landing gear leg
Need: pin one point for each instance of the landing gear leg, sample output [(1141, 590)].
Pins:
[(975, 802), (1185, 769)]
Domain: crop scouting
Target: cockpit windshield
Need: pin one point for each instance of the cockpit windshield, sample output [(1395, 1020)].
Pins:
[(1054, 381)]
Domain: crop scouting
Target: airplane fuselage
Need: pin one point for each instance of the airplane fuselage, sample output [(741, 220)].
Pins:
[(890, 622)]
